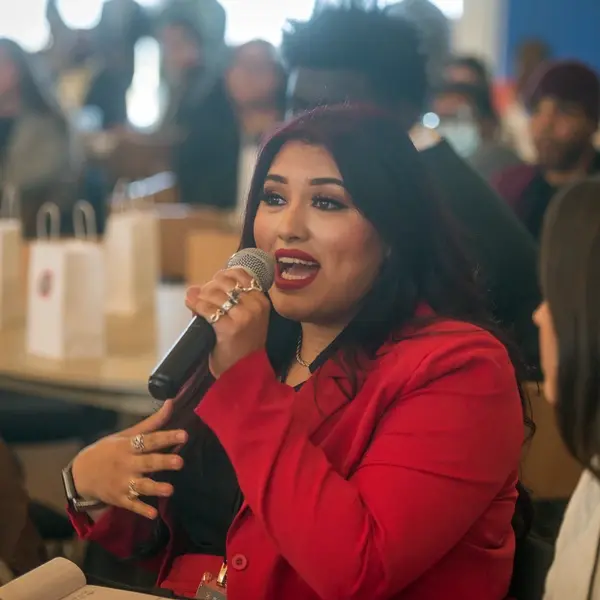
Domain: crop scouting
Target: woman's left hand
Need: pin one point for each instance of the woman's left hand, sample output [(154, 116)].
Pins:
[(240, 331)]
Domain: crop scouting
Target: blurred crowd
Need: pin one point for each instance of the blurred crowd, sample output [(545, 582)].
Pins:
[(65, 133)]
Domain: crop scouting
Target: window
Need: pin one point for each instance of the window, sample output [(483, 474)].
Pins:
[(25, 22), (265, 19), (453, 9)]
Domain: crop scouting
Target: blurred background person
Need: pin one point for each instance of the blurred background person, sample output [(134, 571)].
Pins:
[(564, 102), (569, 324), (531, 55), (36, 146), (434, 29), (256, 84), (468, 70), (123, 23), (349, 54), (469, 122), (218, 129), (21, 548)]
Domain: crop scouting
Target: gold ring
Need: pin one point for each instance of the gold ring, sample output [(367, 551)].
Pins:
[(216, 316), (132, 492)]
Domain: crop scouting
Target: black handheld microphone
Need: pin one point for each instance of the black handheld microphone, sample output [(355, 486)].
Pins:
[(198, 340)]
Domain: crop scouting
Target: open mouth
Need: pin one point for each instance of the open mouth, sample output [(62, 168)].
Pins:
[(296, 269)]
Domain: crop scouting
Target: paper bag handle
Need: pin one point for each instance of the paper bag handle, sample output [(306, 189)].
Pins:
[(48, 213), (120, 197), (84, 220), (10, 203)]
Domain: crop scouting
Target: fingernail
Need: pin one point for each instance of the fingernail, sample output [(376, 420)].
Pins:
[(181, 436), (176, 462)]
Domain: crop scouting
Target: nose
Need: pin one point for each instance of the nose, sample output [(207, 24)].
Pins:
[(545, 119), (292, 226)]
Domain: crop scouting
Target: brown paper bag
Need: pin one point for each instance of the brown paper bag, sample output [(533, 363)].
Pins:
[(207, 252)]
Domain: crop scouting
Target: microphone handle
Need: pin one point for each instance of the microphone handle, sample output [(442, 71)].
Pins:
[(180, 362)]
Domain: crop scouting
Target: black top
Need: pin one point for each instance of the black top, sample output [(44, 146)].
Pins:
[(206, 161), (6, 128), (207, 495), (502, 247), (537, 197)]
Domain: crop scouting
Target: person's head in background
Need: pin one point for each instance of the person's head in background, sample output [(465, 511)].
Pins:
[(468, 70), (564, 103), (21, 90), (467, 116), (182, 47), (353, 55), (255, 78), (531, 54), (434, 30), (569, 318)]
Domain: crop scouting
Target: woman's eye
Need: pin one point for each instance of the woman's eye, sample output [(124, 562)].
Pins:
[(328, 204), (272, 199)]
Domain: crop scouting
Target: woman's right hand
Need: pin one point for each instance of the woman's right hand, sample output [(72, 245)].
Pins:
[(108, 469)]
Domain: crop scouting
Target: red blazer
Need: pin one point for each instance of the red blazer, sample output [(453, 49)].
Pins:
[(405, 492)]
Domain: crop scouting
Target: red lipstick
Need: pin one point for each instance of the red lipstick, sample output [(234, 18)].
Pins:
[(295, 269)]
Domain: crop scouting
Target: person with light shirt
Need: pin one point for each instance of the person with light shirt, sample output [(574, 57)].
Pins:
[(569, 326)]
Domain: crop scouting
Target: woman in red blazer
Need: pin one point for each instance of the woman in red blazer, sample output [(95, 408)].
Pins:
[(355, 434)]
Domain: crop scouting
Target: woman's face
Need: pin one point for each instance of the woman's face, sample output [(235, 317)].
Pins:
[(253, 78), (181, 52), (328, 255), (542, 317), (9, 75)]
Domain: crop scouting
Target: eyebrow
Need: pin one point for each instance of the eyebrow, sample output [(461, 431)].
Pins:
[(316, 181)]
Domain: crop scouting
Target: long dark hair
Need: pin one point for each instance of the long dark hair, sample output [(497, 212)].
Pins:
[(388, 183), (36, 95), (570, 276)]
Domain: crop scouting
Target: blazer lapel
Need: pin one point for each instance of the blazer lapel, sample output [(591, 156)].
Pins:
[(324, 394)]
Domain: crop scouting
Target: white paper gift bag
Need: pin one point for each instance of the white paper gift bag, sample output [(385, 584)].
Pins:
[(65, 310), (11, 247), (131, 248)]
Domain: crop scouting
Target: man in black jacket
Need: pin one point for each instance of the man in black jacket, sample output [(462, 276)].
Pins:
[(350, 54)]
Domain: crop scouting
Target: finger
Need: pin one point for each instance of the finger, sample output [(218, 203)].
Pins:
[(138, 507), (163, 439), (239, 275), (207, 309), (150, 488), (191, 296), (152, 423), (154, 463)]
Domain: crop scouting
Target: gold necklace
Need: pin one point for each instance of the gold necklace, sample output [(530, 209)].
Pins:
[(299, 358)]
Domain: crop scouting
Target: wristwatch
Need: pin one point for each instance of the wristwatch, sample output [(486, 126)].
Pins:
[(77, 503)]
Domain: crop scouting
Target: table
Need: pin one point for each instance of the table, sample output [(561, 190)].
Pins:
[(118, 381)]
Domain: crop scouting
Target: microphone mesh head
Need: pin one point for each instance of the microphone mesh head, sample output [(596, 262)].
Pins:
[(257, 263)]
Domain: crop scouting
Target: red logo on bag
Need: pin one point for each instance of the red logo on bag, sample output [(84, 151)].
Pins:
[(45, 283)]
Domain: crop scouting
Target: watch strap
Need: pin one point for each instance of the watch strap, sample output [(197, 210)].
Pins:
[(78, 503)]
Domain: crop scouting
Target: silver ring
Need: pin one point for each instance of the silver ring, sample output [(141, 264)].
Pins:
[(132, 491), (227, 306), (137, 443), (234, 295), (216, 316)]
